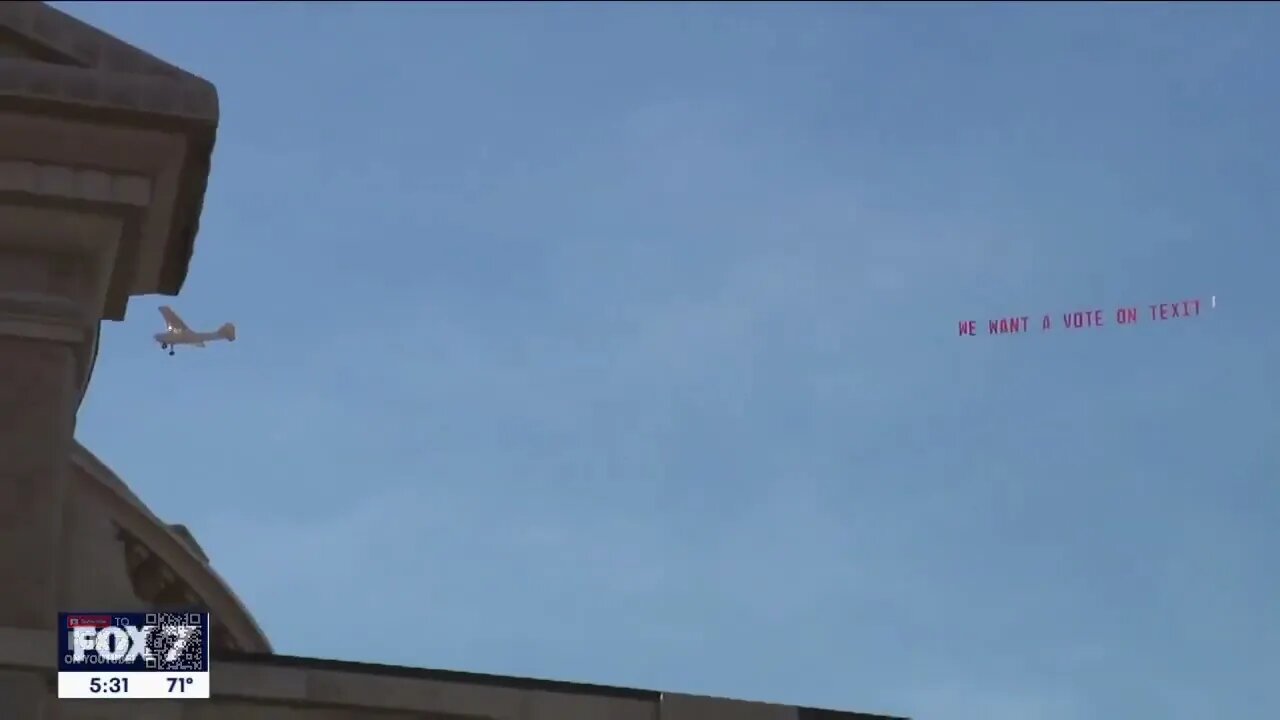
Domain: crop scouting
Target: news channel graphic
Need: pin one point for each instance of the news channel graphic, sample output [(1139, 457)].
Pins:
[(133, 656)]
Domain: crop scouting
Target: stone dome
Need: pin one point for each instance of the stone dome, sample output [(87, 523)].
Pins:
[(120, 555)]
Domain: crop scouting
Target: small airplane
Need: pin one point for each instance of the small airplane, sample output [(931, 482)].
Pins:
[(177, 333)]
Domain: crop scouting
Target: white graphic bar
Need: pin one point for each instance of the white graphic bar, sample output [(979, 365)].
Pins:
[(133, 685)]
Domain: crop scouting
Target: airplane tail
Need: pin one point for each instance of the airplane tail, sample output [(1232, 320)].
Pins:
[(228, 331)]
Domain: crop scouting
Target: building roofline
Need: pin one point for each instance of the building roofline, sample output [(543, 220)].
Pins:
[(455, 676), (495, 681)]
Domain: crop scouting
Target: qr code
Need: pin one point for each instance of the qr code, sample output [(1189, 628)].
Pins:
[(180, 635)]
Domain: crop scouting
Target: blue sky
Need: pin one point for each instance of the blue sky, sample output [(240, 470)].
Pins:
[(618, 343)]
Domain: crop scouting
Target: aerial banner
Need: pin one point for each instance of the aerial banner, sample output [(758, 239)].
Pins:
[(1090, 318)]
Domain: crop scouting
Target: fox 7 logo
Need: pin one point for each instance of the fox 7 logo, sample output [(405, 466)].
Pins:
[(126, 643)]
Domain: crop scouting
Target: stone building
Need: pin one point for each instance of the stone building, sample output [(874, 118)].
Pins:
[(104, 157)]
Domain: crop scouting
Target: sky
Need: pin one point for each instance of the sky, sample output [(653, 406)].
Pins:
[(619, 344)]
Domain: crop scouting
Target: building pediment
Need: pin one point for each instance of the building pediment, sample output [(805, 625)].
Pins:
[(14, 48), (41, 32)]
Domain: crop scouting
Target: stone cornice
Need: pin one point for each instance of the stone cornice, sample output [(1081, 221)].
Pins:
[(60, 69), (35, 82), (74, 183)]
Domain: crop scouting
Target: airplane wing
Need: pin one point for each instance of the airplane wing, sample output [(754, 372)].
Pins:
[(198, 343), (172, 320)]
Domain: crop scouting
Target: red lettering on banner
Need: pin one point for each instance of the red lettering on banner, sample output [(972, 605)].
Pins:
[(1015, 324), (1091, 318), (1179, 309), (1007, 325)]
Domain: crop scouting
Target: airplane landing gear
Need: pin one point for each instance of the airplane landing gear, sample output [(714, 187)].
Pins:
[(171, 352)]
